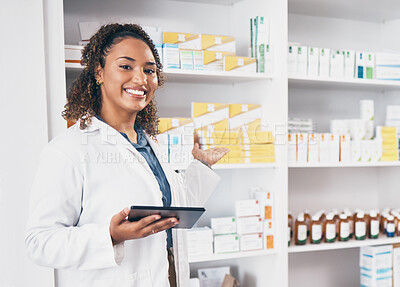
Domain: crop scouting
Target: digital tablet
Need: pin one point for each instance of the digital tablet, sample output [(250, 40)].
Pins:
[(187, 216)]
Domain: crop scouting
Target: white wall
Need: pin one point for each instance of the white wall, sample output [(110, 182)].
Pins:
[(23, 134)]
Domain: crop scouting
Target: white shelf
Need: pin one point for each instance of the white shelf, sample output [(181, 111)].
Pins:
[(185, 76), (225, 256), (323, 82), (342, 245), (361, 10), (347, 164), (230, 166), (216, 2)]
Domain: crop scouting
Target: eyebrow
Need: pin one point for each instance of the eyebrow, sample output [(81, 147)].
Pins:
[(133, 60)]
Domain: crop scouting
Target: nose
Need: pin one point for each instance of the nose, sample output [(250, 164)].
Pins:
[(139, 77)]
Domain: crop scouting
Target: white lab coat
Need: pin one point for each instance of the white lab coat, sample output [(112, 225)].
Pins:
[(84, 178)]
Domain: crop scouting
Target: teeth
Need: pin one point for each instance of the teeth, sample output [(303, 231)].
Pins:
[(135, 92)]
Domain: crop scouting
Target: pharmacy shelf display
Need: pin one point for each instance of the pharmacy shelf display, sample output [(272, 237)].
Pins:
[(342, 245), (346, 164), (178, 75), (231, 166), (227, 256)]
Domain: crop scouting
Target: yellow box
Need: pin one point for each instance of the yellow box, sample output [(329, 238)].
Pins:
[(230, 160), (201, 41), (257, 137), (210, 57), (245, 110), (175, 125), (386, 132), (230, 147), (240, 64), (265, 159), (219, 141), (245, 125), (202, 109), (390, 155), (204, 131), (270, 152), (258, 147)]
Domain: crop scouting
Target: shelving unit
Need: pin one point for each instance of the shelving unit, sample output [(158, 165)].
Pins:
[(342, 245), (339, 25), (226, 256), (345, 164), (232, 166)]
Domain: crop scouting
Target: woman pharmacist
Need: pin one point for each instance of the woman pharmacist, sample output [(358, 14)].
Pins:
[(107, 161)]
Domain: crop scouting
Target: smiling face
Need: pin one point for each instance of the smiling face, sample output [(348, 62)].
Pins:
[(128, 80)]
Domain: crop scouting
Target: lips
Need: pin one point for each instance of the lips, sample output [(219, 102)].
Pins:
[(136, 92)]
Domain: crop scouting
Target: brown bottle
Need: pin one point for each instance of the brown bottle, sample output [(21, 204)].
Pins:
[(307, 219), (390, 227), (373, 225), (330, 229), (290, 227), (344, 228), (316, 230), (360, 226), (350, 219), (300, 231), (336, 218)]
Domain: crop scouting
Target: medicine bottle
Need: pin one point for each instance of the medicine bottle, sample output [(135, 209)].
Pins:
[(290, 227), (360, 226), (398, 226), (373, 225), (383, 222), (350, 219), (344, 228), (336, 217), (307, 219), (300, 230), (390, 227), (316, 230), (330, 229)]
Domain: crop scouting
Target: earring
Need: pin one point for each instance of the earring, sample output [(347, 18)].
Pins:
[(98, 82)]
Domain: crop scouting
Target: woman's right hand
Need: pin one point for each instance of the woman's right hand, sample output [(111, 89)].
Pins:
[(122, 229)]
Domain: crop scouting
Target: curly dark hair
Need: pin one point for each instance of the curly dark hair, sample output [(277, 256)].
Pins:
[(84, 97)]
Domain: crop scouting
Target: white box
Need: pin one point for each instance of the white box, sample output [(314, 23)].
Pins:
[(186, 59), (345, 155), (269, 60), (292, 143), (312, 148), (367, 110), (349, 63), (360, 66), (223, 225), (73, 53), (200, 248), (337, 64), (369, 130), (302, 147), (370, 66), (175, 148), (269, 227), (194, 282), (212, 277), (334, 150), (171, 56), (324, 152), (324, 62), (292, 60), (249, 207), (249, 225), (266, 202), (200, 234), (313, 58), (302, 61), (355, 150), (198, 60), (377, 150), (396, 265), (250, 242), (366, 150), (357, 129), (376, 257), (226, 243), (338, 126)]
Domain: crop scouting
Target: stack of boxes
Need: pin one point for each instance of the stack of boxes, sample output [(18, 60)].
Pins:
[(176, 139), (200, 241), (322, 62), (376, 266), (237, 127), (389, 142), (253, 228), (260, 44), (297, 125), (203, 52), (388, 66)]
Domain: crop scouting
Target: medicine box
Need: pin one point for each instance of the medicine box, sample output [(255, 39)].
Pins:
[(370, 66), (249, 242), (240, 64), (265, 199), (171, 56), (214, 60), (245, 111), (227, 243), (176, 125), (249, 207), (73, 53), (360, 65), (223, 225), (355, 151), (376, 257), (204, 127), (302, 60), (345, 152), (313, 54), (186, 59), (367, 110), (292, 60), (337, 64), (248, 225), (349, 63), (312, 142), (323, 145), (324, 62), (366, 150), (357, 129), (198, 60), (268, 241), (244, 124), (302, 144), (292, 142), (200, 234), (334, 148)]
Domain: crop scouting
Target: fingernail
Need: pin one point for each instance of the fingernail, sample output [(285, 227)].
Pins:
[(157, 217)]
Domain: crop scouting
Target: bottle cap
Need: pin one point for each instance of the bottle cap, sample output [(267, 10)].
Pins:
[(343, 216), (360, 215), (373, 213), (315, 217), (329, 216), (300, 217), (390, 217)]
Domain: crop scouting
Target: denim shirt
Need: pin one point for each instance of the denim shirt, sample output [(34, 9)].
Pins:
[(144, 148)]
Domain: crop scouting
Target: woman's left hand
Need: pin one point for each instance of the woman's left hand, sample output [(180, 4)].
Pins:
[(209, 156)]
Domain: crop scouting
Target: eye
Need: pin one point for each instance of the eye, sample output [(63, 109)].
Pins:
[(126, 67), (150, 71)]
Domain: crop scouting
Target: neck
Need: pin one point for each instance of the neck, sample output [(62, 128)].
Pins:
[(122, 123)]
